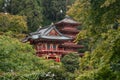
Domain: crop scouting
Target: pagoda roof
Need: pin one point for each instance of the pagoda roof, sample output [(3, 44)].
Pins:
[(70, 30), (43, 33), (67, 20), (72, 44)]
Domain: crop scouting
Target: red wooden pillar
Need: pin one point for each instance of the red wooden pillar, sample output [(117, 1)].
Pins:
[(58, 59)]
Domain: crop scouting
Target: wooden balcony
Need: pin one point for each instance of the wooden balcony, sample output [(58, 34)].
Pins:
[(55, 51)]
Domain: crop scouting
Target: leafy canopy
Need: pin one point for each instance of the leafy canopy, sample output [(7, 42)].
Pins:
[(100, 19), (96, 15), (19, 57), (71, 62), (14, 23), (30, 8)]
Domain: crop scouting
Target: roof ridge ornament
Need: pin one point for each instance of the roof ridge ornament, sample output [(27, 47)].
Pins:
[(52, 23), (67, 16), (40, 26)]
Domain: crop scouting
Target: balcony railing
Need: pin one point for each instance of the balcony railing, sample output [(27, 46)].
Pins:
[(55, 51)]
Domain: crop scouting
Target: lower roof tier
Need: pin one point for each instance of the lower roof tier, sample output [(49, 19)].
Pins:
[(72, 46)]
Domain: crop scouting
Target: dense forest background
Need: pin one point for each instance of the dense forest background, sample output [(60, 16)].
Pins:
[(100, 21), (37, 12)]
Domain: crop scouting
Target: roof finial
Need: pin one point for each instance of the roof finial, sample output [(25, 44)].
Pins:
[(52, 23), (66, 16), (61, 11), (40, 26)]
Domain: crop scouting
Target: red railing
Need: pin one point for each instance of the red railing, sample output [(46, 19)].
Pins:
[(56, 51)]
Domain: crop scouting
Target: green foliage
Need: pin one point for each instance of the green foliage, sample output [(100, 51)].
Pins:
[(71, 62), (12, 76), (104, 73), (37, 12), (70, 2), (105, 55), (13, 53), (17, 61), (101, 28), (95, 17), (14, 23), (52, 10), (1, 5), (109, 2), (30, 8), (55, 72)]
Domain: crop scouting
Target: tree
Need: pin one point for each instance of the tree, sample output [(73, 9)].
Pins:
[(96, 16), (12, 23), (71, 62), (19, 62), (99, 21), (1, 5), (30, 8), (16, 56), (38, 12), (103, 59), (53, 10)]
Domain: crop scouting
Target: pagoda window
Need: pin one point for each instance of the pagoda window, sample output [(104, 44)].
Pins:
[(44, 46), (38, 47), (48, 46), (54, 46)]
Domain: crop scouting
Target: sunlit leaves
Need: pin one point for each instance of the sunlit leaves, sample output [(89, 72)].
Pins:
[(96, 19), (101, 26), (12, 23), (19, 57), (32, 9), (108, 2)]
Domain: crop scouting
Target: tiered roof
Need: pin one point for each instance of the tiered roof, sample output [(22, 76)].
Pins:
[(43, 33), (68, 26), (67, 20), (70, 30), (72, 45)]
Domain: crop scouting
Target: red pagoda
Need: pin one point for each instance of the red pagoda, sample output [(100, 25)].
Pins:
[(55, 41), (68, 27)]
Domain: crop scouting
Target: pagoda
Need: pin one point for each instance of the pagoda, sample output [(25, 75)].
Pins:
[(56, 40), (68, 27), (47, 41)]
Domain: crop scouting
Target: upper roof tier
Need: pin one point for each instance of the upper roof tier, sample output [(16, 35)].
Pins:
[(67, 20), (50, 33)]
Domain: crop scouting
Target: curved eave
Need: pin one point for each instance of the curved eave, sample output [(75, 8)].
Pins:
[(73, 46), (55, 37), (61, 38), (25, 40), (64, 23)]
